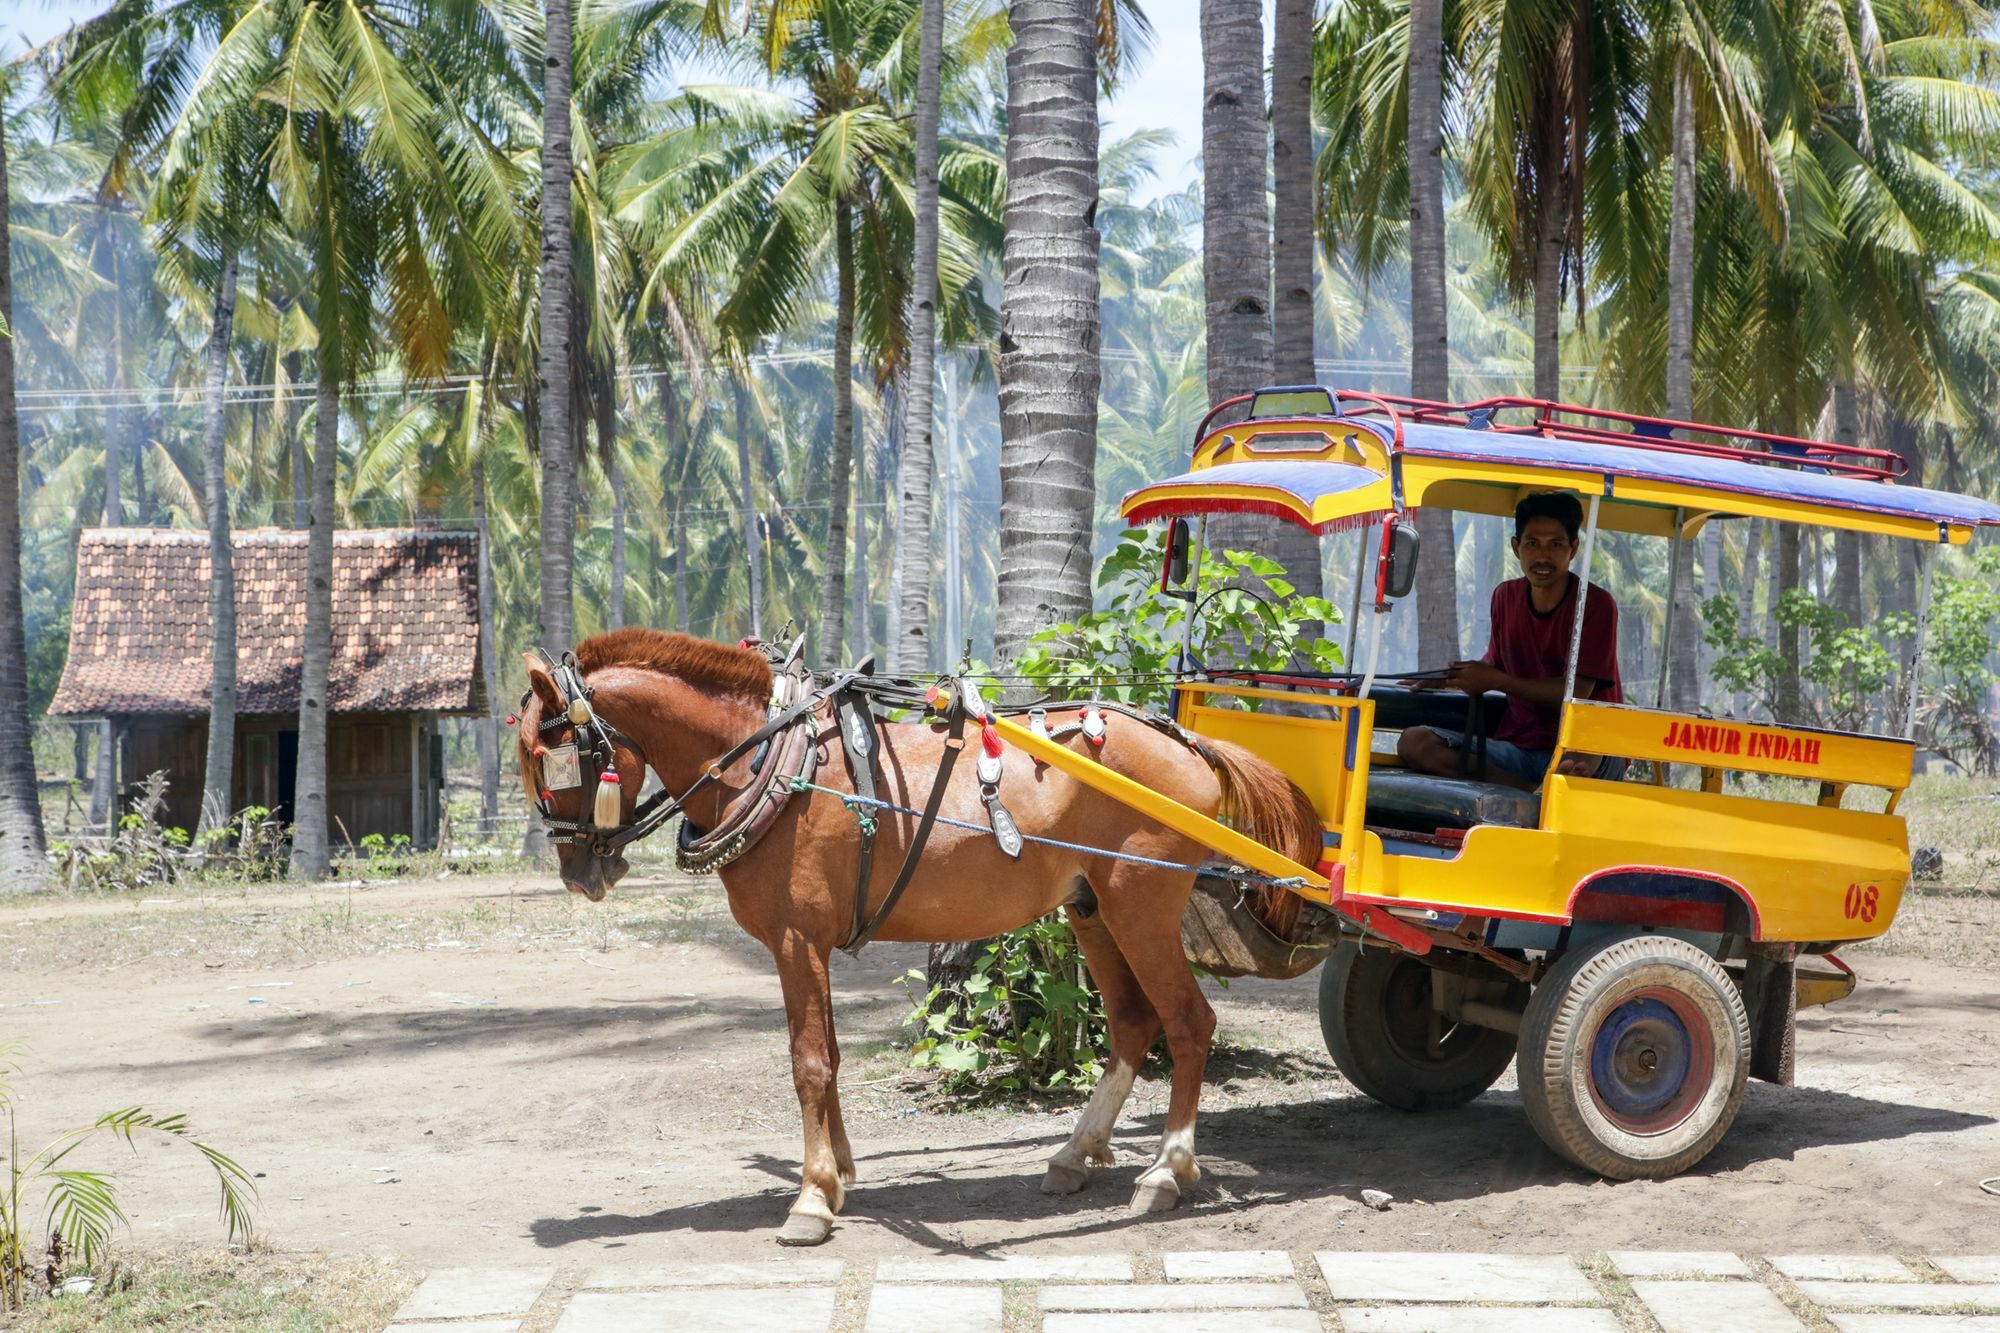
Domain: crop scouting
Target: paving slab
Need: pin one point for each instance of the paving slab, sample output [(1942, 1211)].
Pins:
[(1473, 1319), (466, 1293), (1903, 1295), (1177, 1296), (1704, 1307), (459, 1326), (1680, 1263), (1009, 1268), (769, 1273), (1215, 1265), (1186, 1321), (1916, 1323), (767, 1310), (1970, 1267), (961, 1309), (1517, 1279), (1842, 1268)]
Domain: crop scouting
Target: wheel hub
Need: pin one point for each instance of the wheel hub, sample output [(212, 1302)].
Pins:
[(1651, 1061)]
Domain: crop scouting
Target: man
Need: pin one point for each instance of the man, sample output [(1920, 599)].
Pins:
[(1533, 619)]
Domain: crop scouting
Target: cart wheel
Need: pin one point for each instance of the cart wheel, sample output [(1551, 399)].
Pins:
[(1633, 1057), (1375, 1013)]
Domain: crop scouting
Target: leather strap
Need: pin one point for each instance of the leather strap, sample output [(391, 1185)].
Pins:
[(954, 741), (856, 721)]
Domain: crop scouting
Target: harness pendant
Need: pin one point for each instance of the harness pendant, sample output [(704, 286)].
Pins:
[(1005, 831)]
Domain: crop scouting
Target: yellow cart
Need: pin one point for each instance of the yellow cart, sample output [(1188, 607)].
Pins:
[(1643, 943)]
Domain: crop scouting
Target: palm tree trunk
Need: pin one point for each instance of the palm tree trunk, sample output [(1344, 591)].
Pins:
[(312, 833), (752, 543), (23, 854), (1292, 229), (1784, 579), (860, 626), (833, 570), (1430, 355), (104, 787), (1552, 216), (1683, 668), (1235, 222), (1847, 545), (606, 420), (680, 569), (1746, 592), (910, 653), (1049, 336), (487, 736), (558, 616), (301, 474), (216, 795)]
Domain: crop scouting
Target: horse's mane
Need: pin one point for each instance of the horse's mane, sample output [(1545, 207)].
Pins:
[(695, 660)]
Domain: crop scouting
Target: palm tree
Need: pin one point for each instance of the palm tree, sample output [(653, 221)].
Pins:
[(553, 381), (1049, 370), (1430, 353), (911, 652), (23, 856), (1292, 230)]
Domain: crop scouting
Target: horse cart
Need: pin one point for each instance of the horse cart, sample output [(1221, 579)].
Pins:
[(1638, 932), (1641, 945)]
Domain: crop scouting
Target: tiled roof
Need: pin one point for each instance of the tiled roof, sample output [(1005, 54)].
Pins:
[(405, 622)]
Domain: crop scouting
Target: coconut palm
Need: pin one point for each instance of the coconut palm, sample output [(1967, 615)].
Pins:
[(23, 858)]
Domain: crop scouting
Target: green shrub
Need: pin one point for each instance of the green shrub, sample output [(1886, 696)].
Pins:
[(1028, 1018)]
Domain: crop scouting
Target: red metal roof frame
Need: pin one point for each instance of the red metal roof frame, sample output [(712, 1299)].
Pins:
[(1781, 450)]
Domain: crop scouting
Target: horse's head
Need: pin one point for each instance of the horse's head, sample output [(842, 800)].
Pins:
[(564, 762)]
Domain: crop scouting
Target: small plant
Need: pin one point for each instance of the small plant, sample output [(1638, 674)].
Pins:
[(1251, 616), (80, 1207), (1843, 669), (386, 856), (1028, 1017)]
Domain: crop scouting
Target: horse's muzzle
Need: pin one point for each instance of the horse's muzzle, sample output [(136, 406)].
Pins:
[(593, 876)]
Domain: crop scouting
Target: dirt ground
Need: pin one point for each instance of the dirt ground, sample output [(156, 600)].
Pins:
[(487, 1071)]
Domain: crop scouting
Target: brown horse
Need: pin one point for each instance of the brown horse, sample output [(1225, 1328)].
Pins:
[(676, 703)]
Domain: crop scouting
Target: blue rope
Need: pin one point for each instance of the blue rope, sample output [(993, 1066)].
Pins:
[(853, 802)]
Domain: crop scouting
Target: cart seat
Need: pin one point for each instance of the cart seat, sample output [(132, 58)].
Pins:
[(1399, 798)]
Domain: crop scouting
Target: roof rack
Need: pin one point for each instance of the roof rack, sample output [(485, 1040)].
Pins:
[(1631, 430)]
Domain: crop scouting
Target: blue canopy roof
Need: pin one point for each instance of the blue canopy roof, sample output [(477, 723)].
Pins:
[(1805, 484)]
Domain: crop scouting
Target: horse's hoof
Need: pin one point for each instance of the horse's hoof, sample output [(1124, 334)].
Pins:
[(1063, 1179), (1156, 1196), (805, 1229)]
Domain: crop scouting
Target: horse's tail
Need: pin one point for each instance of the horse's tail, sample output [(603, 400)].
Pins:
[(1265, 806)]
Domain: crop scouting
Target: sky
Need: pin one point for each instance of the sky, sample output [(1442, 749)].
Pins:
[(1157, 96)]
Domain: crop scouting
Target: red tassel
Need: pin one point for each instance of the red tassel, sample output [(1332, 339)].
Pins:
[(990, 739), (541, 750), (931, 696), (512, 720), (548, 795)]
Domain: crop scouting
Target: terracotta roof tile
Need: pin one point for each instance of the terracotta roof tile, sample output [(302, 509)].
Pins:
[(405, 622)]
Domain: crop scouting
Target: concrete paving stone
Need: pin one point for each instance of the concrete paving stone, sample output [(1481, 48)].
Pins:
[(1473, 1319), (1985, 1296), (473, 1326), (1680, 1263), (1215, 1265), (1518, 1279), (908, 1309), (1916, 1323), (1177, 1296), (1185, 1321), (767, 1310), (1842, 1268), (1970, 1267), (769, 1273), (1704, 1307), (464, 1293), (1009, 1268)]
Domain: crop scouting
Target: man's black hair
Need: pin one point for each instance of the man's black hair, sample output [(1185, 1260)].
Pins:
[(1561, 506)]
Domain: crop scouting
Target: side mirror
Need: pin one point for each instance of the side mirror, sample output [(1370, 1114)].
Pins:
[(1174, 569), (1400, 548)]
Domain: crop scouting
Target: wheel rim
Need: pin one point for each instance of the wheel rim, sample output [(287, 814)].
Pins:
[(1651, 1061)]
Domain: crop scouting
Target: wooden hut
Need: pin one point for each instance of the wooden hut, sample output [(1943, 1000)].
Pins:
[(405, 653)]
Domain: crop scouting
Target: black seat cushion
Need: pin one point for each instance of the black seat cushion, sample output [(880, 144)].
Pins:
[(1400, 798), (1397, 706)]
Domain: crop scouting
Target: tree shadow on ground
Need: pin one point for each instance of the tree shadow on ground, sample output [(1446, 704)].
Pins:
[(1252, 1157)]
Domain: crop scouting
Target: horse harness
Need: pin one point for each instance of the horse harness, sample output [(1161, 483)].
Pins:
[(786, 760)]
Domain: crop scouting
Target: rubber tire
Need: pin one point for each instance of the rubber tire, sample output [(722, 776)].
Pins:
[(1359, 993), (1556, 1038)]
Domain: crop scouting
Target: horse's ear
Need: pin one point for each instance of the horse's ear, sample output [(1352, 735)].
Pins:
[(542, 683)]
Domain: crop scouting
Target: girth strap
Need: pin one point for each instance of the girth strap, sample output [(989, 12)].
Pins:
[(954, 741)]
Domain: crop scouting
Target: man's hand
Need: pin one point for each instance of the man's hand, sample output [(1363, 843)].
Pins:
[(1474, 677)]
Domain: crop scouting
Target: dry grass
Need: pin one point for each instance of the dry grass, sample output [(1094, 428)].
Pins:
[(206, 1289)]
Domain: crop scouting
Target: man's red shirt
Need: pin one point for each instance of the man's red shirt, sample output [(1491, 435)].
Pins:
[(1533, 646)]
